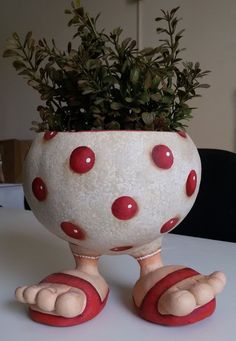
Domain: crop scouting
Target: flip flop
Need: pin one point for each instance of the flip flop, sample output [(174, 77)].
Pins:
[(94, 304), (148, 309)]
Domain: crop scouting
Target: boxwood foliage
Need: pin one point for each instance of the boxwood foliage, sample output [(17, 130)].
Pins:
[(103, 81)]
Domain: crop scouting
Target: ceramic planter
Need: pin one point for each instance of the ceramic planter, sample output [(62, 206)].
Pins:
[(112, 192)]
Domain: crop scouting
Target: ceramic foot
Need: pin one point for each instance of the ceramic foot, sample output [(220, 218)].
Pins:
[(174, 295), (185, 296), (58, 299), (65, 299)]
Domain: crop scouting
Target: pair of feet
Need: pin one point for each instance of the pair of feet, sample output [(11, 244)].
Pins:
[(171, 295)]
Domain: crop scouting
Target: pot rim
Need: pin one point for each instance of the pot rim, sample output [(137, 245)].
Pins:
[(115, 131)]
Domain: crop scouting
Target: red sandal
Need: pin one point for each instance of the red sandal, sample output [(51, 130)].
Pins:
[(93, 303), (149, 311)]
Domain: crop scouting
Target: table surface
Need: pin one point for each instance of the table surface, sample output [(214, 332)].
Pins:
[(28, 252)]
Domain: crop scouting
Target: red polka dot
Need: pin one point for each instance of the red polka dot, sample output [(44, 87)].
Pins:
[(72, 230), (39, 189), (82, 159), (191, 183), (49, 135), (121, 248), (169, 225), (162, 156), (124, 208), (182, 133)]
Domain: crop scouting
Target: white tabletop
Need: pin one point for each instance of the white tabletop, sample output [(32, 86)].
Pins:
[(28, 252)]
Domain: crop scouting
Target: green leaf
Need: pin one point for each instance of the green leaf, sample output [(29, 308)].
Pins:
[(27, 39), (116, 32), (128, 99), (144, 98), (148, 117), (180, 33), (125, 66), (134, 75), (98, 101), (148, 80), (173, 11), (41, 43), (125, 42), (77, 3), (156, 81), (161, 30), (136, 110), (16, 36), (69, 46), (166, 100), (10, 53), (132, 44), (159, 19), (18, 65), (148, 51), (169, 91), (114, 125), (11, 44), (116, 106), (83, 83), (33, 83), (96, 110), (156, 97), (92, 64), (88, 91), (25, 73), (205, 86)]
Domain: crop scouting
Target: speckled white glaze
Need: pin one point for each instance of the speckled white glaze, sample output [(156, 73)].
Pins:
[(123, 167)]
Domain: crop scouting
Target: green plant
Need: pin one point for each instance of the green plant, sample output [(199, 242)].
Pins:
[(106, 82)]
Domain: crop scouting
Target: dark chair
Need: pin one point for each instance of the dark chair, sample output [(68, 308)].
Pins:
[(26, 205), (214, 212)]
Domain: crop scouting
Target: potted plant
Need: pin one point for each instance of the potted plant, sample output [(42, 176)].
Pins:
[(112, 169)]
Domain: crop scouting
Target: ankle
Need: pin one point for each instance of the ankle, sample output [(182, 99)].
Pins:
[(150, 264), (87, 265)]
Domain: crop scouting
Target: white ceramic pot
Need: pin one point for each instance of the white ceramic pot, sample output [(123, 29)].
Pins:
[(112, 192)]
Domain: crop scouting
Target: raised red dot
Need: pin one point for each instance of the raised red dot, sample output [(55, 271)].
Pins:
[(169, 225), (124, 208), (121, 248), (82, 159), (191, 183), (39, 189), (48, 135), (72, 230), (182, 133), (162, 156)]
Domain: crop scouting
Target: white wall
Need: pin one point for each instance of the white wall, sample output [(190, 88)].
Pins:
[(18, 102), (210, 38)]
